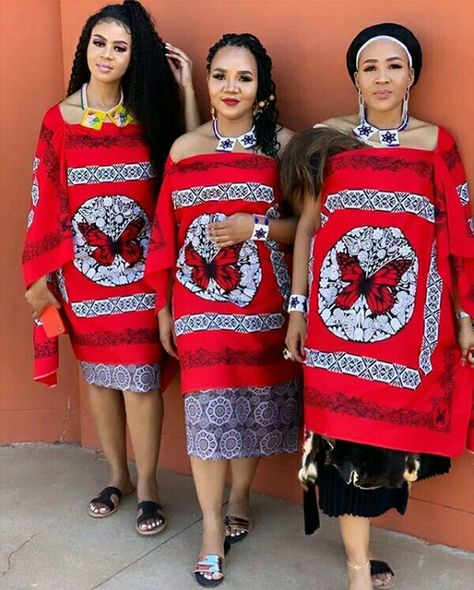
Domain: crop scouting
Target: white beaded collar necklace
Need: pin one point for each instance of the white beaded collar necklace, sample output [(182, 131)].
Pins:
[(387, 137), (226, 144)]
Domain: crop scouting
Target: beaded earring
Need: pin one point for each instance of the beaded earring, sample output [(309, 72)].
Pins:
[(260, 106)]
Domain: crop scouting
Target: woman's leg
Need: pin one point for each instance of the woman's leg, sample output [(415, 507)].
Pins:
[(209, 479), (145, 419), (355, 531), (243, 472), (108, 411)]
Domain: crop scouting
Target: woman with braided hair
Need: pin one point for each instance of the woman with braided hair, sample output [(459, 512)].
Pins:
[(97, 172), (219, 240)]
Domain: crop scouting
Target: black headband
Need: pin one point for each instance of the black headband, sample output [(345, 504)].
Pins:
[(398, 32)]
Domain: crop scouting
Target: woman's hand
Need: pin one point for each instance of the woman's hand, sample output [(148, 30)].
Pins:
[(296, 335), (466, 341), (235, 229), (181, 65), (39, 296), (167, 335)]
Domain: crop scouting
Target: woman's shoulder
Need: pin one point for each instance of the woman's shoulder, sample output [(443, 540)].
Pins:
[(71, 108), (345, 123), (192, 143), (422, 134), (284, 135)]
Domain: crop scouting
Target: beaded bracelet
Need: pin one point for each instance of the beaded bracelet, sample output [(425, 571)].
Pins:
[(298, 303), (260, 230)]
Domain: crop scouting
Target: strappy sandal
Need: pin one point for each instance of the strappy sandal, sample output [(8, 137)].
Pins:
[(236, 528), (150, 511), (381, 567), (211, 565), (105, 498)]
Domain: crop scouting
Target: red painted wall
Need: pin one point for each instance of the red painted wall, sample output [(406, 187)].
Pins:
[(307, 41)]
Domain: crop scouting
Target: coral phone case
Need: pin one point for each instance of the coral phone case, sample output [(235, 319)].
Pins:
[(52, 323)]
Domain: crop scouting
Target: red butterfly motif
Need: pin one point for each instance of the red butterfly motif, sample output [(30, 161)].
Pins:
[(107, 249), (377, 288), (222, 268)]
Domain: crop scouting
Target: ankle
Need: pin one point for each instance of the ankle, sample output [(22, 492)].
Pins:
[(147, 485)]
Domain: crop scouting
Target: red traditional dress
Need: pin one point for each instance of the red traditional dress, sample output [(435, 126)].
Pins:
[(383, 387), (382, 360), (93, 196), (241, 397)]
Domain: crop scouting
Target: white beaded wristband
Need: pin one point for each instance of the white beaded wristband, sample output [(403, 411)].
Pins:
[(260, 230), (298, 303)]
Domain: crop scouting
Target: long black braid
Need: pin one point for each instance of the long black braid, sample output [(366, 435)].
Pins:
[(150, 90), (266, 123)]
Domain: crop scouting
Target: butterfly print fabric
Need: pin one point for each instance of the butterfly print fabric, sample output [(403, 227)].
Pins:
[(241, 396), (218, 274), (368, 284), (93, 196), (382, 361)]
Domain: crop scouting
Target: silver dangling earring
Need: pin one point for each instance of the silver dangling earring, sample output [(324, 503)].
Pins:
[(361, 108), (406, 98)]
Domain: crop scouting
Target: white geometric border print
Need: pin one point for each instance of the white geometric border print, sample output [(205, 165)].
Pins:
[(364, 367), (253, 192), (111, 173), (244, 324), (230, 275), (432, 312), (374, 200), (35, 192), (114, 306), (367, 284), (278, 262), (111, 235), (463, 193)]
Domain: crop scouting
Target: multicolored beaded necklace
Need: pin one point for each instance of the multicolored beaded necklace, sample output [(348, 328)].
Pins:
[(93, 119)]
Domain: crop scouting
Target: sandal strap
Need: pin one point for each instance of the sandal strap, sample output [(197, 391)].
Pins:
[(235, 522), (105, 497), (210, 564), (150, 510), (380, 567)]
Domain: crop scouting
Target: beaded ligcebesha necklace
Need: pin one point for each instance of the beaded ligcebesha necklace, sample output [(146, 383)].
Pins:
[(226, 144), (94, 119), (387, 137)]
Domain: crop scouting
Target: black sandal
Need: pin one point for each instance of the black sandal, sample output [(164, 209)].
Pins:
[(381, 567), (236, 528), (105, 498), (150, 511)]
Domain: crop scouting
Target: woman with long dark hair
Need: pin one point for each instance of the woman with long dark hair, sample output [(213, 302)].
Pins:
[(97, 172), (383, 322), (219, 236)]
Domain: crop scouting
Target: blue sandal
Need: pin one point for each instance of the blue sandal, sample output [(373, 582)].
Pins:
[(211, 565)]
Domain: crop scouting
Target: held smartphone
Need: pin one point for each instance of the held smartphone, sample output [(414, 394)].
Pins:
[(52, 323)]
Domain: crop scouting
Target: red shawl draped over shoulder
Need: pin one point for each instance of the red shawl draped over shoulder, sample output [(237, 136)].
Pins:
[(94, 194), (382, 360), (228, 303)]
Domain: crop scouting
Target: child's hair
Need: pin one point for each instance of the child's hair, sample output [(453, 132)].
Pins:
[(304, 161)]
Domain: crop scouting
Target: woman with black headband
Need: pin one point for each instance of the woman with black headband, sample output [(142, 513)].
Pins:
[(385, 331)]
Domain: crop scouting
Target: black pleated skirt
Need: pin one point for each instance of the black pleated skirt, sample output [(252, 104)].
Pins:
[(336, 497)]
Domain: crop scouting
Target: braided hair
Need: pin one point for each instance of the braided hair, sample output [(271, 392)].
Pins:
[(267, 121), (149, 87)]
